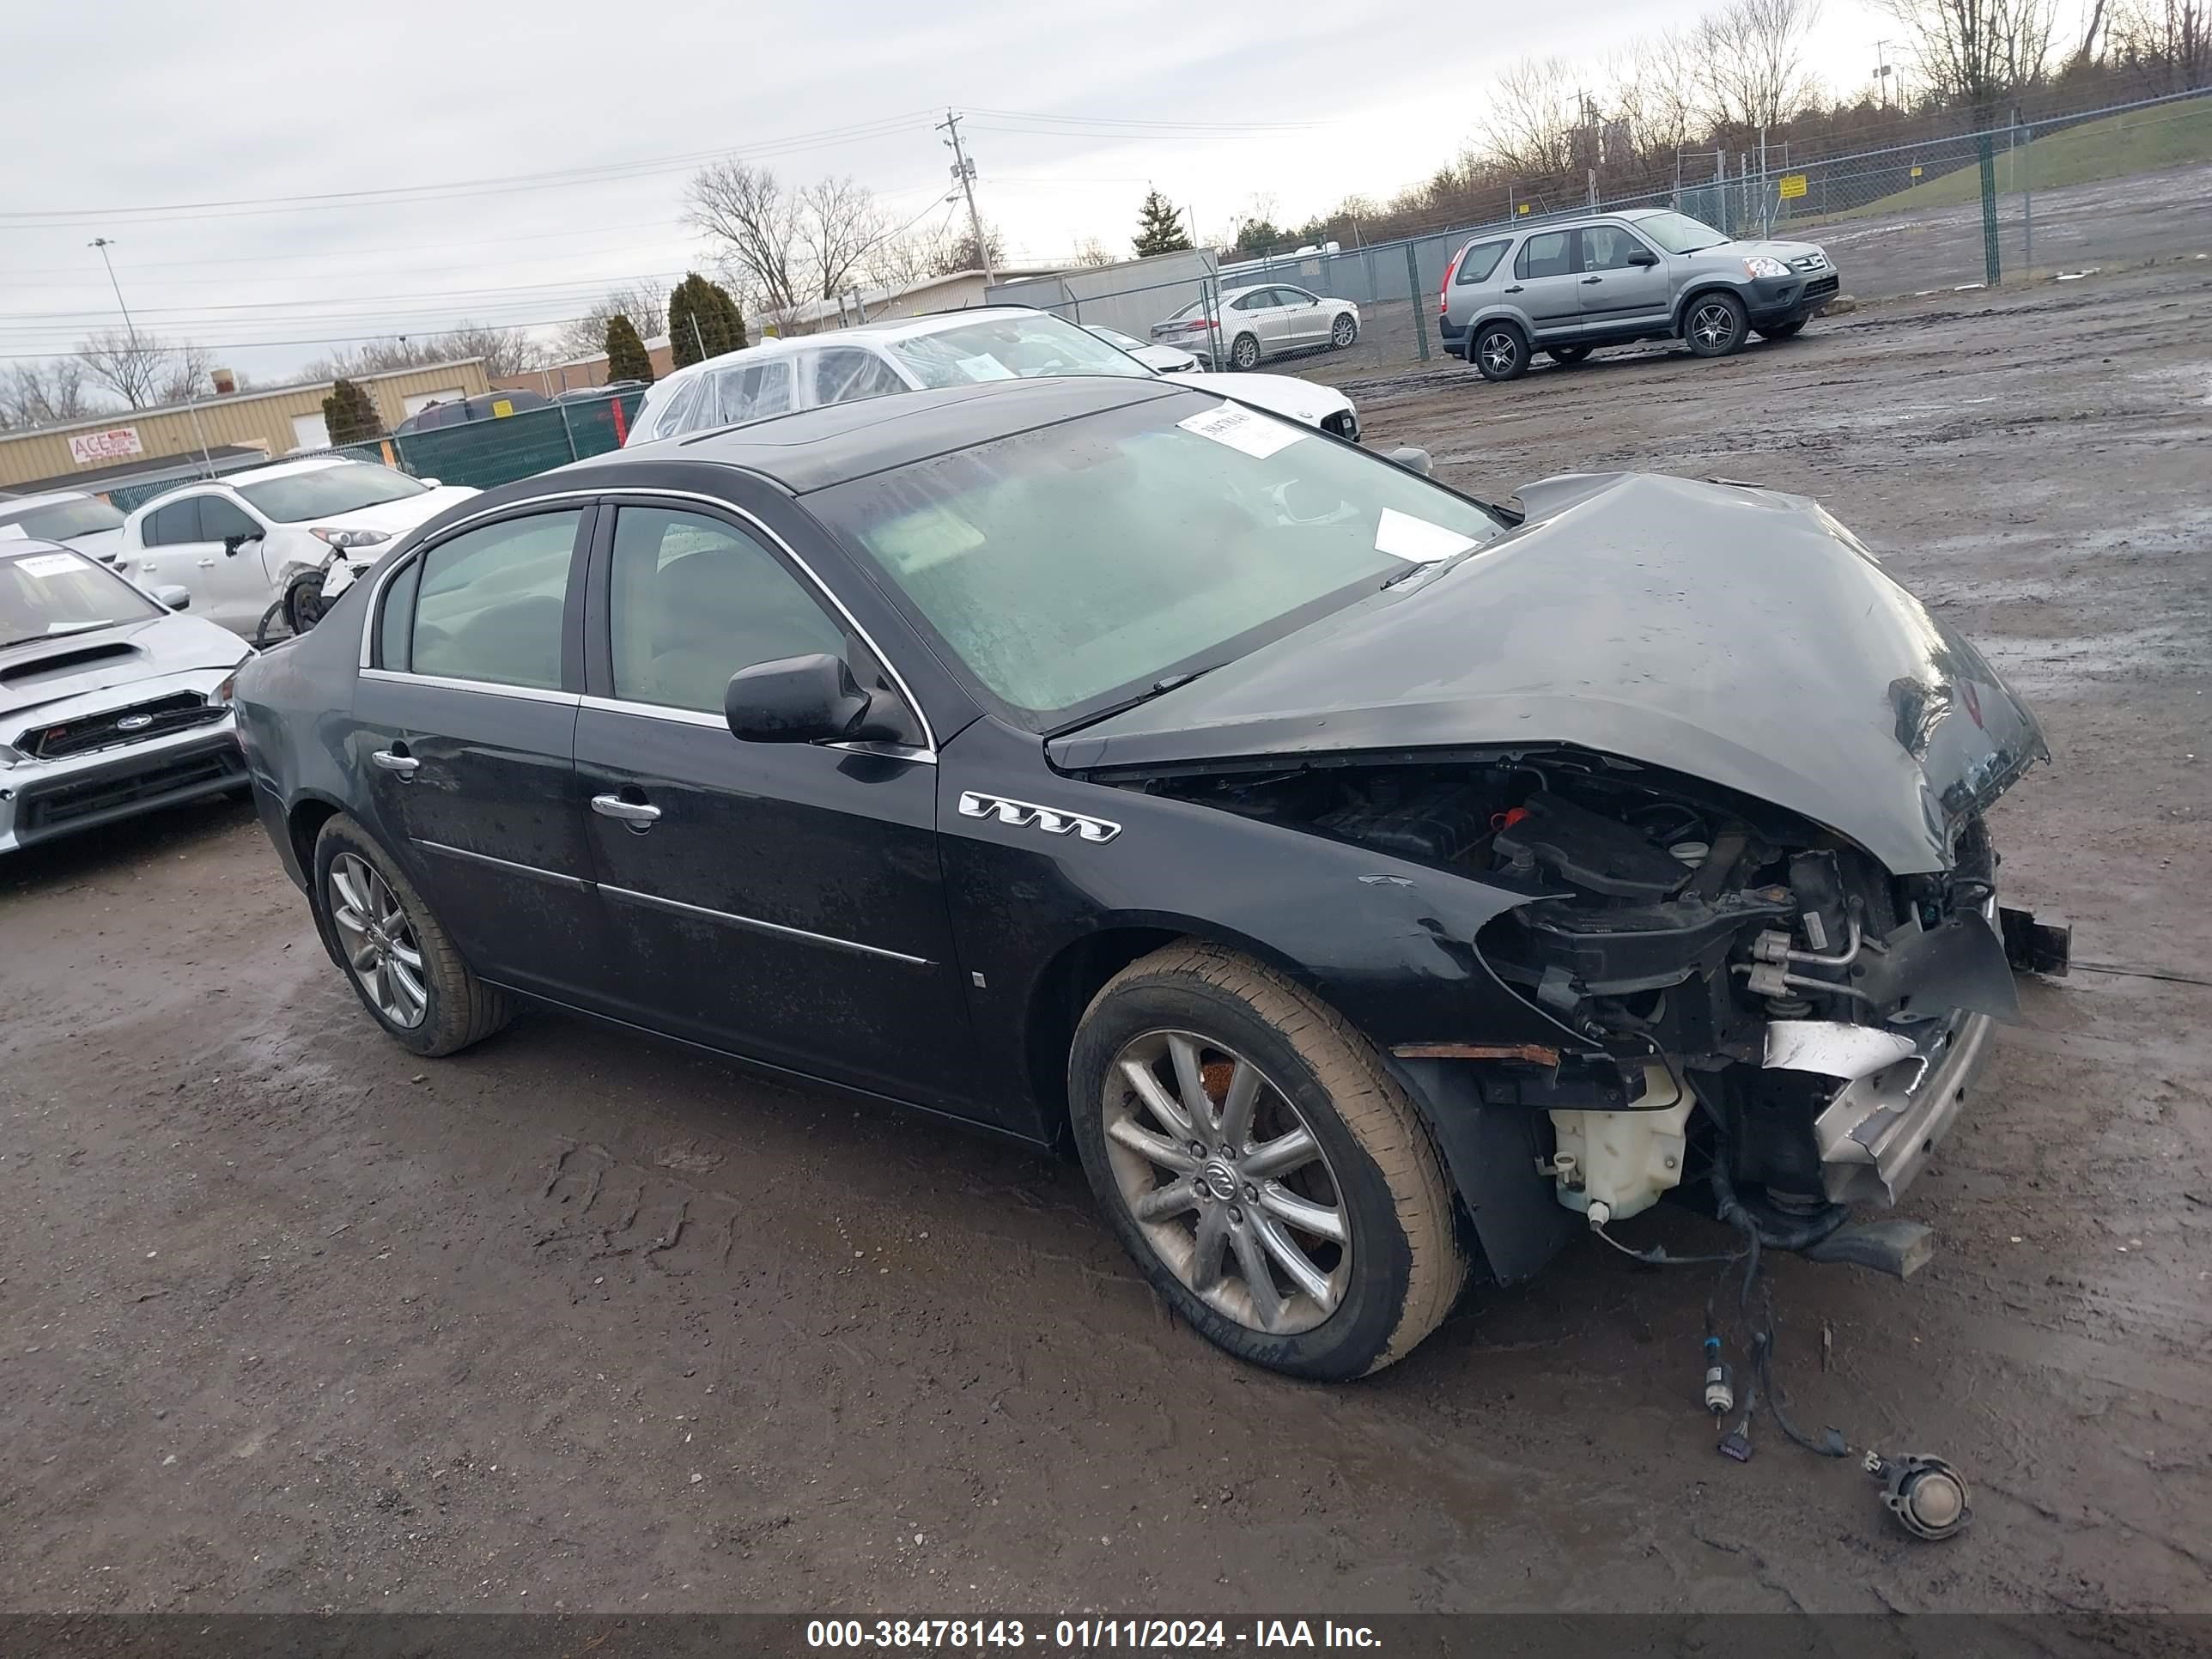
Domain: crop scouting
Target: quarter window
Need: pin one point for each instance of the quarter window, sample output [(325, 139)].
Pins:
[(1545, 254), (491, 601), (1478, 261), (752, 393), (694, 600), (846, 376), (676, 416), (171, 525)]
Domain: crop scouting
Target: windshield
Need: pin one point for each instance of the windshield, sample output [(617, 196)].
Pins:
[(1003, 348), (43, 594), (330, 489), (1678, 233), (1113, 337), (1076, 566), (59, 521)]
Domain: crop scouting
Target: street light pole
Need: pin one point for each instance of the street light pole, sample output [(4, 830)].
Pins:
[(130, 333)]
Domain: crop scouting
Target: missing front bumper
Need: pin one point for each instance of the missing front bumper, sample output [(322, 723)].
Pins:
[(1878, 1132)]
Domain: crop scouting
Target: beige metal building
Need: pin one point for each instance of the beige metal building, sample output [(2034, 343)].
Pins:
[(277, 420)]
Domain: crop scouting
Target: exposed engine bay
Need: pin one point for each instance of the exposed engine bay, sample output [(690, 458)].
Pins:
[(1695, 948)]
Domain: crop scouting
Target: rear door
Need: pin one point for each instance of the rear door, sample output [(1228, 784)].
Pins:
[(468, 710), (780, 901), (1616, 293), (1545, 285)]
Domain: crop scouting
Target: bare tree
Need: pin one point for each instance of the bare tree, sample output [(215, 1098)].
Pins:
[(587, 336), (960, 252), (1656, 92), (2173, 39), (1976, 52), (753, 223), (838, 223), (1093, 252), (1534, 125), (130, 365), (505, 351), (34, 394), (898, 262), (1750, 58), (185, 375)]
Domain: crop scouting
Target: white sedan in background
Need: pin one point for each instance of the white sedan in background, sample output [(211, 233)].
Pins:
[(914, 354), (298, 532), (1248, 323)]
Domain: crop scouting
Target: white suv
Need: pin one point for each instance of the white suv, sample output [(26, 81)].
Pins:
[(876, 360)]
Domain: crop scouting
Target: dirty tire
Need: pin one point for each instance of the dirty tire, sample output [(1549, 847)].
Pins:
[(1716, 324), (1500, 351), (1788, 331), (1244, 352), (1406, 1268), (461, 1009), (1567, 357)]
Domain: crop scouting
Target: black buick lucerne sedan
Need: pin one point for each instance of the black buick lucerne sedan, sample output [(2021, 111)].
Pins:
[(1365, 880)]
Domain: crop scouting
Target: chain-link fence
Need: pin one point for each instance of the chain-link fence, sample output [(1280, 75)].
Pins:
[(2106, 186), (496, 449)]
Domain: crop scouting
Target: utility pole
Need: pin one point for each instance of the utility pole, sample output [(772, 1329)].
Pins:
[(130, 333), (963, 172), (1881, 72)]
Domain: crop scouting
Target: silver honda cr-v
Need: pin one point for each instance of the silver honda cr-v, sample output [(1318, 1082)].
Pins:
[(1610, 279)]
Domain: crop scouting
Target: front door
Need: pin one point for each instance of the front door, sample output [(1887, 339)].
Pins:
[(1545, 283), (780, 901), (1616, 293), (468, 725), (184, 548), (1304, 321)]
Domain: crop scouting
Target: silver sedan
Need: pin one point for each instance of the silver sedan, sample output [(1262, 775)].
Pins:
[(1249, 324)]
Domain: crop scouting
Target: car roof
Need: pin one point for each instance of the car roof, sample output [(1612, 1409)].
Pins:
[(863, 336), (282, 470), (13, 547), (815, 448), (14, 504)]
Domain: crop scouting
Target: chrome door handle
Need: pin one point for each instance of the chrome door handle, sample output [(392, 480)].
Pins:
[(1588, 280), (1515, 288), (637, 814), (403, 764), (207, 564)]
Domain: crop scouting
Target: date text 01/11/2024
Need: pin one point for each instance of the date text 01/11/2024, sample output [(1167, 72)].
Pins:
[(984, 1635)]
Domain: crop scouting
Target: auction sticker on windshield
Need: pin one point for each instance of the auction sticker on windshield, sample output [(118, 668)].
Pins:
[(1255, 434), (50, 564)]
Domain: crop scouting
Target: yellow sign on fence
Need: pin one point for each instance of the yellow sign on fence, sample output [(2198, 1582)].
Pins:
[(1793, 185)]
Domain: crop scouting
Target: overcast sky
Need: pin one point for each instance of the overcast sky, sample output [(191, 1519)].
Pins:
[(147, 122)]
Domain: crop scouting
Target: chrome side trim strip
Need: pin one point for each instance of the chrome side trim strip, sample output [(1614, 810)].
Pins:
[(558, 879), (601, 494), (655, 711), (489, 687), (654, 902)]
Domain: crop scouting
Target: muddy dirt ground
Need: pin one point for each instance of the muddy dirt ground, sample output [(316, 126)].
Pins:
[(289, 1319)]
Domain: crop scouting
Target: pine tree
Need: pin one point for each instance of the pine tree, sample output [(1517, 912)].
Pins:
[(627, 359), (350, 414), (1160, 227), (704, 321)]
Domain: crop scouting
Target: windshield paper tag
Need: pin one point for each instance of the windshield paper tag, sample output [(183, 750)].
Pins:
[(49, 564), (1242, 429), (1402, 536), (986, 368)]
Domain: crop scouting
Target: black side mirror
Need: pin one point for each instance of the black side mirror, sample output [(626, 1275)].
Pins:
[(232, 543), (1643, 256), (811, 699)]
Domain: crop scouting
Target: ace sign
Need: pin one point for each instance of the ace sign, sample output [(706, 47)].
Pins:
[(118, 443)]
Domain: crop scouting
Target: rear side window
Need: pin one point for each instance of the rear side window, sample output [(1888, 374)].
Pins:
[(846, 376), (750, 393), (1478, 261), (1545, 254), (489, 603), (177, 522)]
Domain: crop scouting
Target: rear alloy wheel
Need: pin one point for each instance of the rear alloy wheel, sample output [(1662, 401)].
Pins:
[(1566, 356), (1344, 332), (1261, 1166), (402, 965), (1788, 331), (1245, 353), (1717, 325), (1501, 352)]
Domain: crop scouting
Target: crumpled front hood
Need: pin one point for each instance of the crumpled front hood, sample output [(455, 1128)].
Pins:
[(1734, 634), (68, 665), (1279, 394)]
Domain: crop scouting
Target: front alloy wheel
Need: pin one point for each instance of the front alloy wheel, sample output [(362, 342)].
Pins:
[(1715, 325), (1227, 1183), (1344, 330)]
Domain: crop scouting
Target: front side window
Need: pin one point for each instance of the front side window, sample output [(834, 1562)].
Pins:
[(1545, 254), (59, 521), (174, 525), (846, 376), (220, 518), (45, 594), (1607, 248), (1678, 233), (751, 391), (1478, 261), (489, 601), (297, 497), (693, 600), (1073, 566), (1025, 347)]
